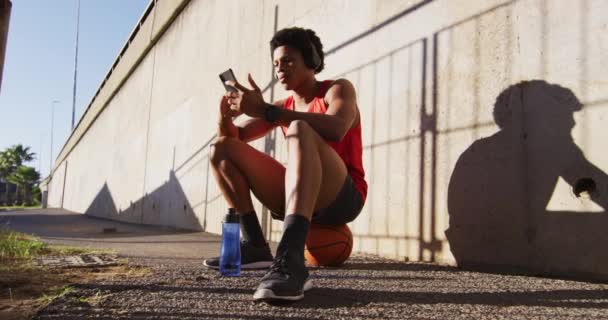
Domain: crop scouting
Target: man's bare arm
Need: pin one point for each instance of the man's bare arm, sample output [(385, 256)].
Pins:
[(255, 128)]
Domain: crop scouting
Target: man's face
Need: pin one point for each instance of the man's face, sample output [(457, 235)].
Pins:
[(289, 67)]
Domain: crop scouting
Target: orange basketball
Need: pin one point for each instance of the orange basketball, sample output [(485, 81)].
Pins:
[(328, 245)]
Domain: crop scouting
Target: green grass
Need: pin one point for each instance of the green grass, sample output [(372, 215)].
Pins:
[(94, 299), (24, 278), (46, 299), (15, 245), (62, 292), (19, 246)]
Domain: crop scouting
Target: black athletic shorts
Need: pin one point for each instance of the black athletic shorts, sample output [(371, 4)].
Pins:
[(344, 209)]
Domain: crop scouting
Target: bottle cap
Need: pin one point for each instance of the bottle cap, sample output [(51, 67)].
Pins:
[(231, 217)]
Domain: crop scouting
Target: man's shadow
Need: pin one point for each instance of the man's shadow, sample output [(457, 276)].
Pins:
[(502, 185)]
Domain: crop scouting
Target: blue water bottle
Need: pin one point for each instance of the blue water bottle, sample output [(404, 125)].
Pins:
[(230, 254)]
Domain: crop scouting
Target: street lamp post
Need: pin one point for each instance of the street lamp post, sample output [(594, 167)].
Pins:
[(40, 154), (75, 65), (52, 120), (5, 15)]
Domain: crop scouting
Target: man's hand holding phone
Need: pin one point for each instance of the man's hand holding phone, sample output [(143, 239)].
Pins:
[(244, 100), (226, 127), (236, 101)]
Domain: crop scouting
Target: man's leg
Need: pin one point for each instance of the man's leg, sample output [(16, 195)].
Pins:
[(315, 172), (239, 169), (315, 175)]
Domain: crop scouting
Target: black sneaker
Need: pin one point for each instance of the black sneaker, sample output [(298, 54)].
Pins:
[(252, 257), (285, 281)]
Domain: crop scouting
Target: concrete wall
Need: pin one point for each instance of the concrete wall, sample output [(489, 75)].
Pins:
[(479, 118)]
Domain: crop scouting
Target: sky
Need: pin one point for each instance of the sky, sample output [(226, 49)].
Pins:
[(39, 67)]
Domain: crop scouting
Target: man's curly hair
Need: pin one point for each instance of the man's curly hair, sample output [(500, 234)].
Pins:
[(302, 40)]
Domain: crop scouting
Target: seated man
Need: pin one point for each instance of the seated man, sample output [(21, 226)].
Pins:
[(324, 180)]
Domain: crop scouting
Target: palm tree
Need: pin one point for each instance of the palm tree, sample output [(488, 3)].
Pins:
[(10, 160), (21, 154), (24, 177), (6, 169)]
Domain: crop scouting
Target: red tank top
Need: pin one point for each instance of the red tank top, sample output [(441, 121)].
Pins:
[(350, 148)]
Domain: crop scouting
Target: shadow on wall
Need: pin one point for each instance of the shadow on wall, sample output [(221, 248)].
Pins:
[(166, 206), (501, 187)]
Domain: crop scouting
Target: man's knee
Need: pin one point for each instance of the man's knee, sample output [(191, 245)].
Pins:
[(219, 149), (298, 128)]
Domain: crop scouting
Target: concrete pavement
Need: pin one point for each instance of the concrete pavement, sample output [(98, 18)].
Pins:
[(365, 288), (68, 228)]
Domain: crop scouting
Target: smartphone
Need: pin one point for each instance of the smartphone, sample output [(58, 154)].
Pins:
[(228, 75)]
